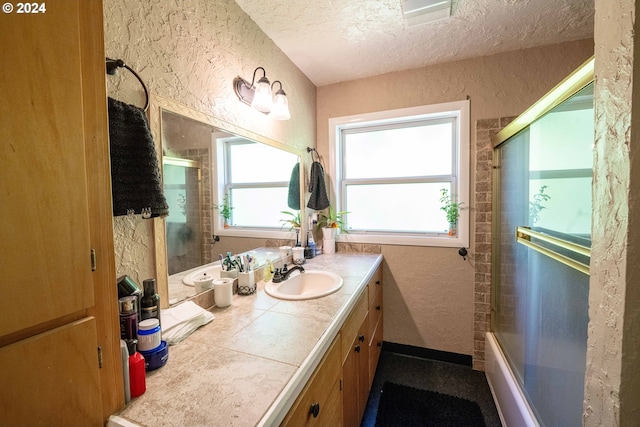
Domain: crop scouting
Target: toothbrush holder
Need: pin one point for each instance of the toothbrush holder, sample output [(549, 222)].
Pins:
[(246, 283)]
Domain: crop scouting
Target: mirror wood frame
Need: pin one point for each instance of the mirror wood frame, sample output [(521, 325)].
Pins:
[(158, 104)]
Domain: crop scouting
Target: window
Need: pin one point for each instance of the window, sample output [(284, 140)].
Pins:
[(256, 177), (391, 168)]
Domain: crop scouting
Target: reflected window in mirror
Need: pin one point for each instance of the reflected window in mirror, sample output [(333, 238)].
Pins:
[(256, 179)]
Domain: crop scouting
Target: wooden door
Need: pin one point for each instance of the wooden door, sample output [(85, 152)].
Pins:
[(44, 235), (44, 386), (52, 125)]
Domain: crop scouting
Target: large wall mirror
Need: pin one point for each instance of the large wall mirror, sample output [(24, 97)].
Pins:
[(206, 160)]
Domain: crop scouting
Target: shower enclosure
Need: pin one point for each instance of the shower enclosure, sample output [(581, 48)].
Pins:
[(541, 248), (182, 189)]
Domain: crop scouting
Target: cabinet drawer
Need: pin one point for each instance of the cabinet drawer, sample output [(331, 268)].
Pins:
[(375, 312), (351, 327), (323, 390), (375, 284)]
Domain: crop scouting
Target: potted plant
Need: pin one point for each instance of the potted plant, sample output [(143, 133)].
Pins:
[(293, 222), (451, 209), (225, 210), (331, 222)]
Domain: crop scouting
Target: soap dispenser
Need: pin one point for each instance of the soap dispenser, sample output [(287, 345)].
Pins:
[(267, 270)]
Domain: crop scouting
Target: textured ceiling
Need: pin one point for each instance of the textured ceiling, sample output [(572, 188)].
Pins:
[(339, 40)]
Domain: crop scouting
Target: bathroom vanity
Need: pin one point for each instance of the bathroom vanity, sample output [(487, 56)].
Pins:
[(266, 361)]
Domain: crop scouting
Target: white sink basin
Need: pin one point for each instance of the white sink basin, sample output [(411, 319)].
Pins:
[(211, 270), (308, 285)]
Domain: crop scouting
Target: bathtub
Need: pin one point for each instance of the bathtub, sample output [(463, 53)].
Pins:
[(512, 406)]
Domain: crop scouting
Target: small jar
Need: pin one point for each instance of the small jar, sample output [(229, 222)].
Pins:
[(149, 335)]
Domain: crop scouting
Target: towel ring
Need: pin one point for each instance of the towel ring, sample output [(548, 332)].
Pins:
[(313, 150), (112, 67)]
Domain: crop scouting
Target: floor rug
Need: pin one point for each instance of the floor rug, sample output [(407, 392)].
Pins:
[(405, 406)]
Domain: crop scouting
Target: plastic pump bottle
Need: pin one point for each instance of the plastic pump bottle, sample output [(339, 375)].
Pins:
[(137, 375), (267, 270)]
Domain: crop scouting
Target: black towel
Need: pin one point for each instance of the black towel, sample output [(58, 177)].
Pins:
[(319, 199), (135, 175), (294, 188)]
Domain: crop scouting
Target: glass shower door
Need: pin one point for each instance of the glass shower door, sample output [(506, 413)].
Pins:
[(182, 189), (542, 263)]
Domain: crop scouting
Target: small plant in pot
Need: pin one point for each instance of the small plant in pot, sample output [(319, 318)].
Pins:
[(331, 222), (293, 222), (451, 209), (225, 210)]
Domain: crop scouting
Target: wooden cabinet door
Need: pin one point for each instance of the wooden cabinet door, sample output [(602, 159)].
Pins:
[(362, 343), (355, 377), (44, 236), (320, 403), (52, 379), (375, 323), (350, 388)]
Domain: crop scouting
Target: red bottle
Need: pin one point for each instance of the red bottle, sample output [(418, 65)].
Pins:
[(137, 375)]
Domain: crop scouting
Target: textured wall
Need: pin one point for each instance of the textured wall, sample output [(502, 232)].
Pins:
[(429, 292), (612, 384), (190, 51)]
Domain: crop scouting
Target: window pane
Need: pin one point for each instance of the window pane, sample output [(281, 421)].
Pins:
[(421, 150), (258, 207), (396, 207), (253, 162)]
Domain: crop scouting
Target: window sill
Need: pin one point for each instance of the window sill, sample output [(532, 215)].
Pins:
[(459, 241), (255, 233)]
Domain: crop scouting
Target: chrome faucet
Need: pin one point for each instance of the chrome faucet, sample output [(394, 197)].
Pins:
[(283, 275)]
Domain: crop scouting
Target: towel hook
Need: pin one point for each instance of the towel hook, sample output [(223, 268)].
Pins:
[(112, 68)]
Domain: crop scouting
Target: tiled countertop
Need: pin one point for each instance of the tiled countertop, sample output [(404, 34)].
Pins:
[(247, 366)]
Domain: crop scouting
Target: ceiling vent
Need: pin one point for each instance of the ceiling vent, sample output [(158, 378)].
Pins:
[(417, 12)]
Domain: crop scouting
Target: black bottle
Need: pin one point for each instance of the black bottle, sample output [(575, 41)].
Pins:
[(150, 301)]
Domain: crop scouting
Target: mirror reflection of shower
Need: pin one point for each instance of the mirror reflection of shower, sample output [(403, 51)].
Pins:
[(183, 190)]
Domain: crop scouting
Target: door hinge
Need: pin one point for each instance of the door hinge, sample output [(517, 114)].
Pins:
[(93, 260), (99, 357)]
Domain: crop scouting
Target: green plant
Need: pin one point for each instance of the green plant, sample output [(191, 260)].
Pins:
[(536, 206), (332, 219), (293, 222), (225, 208), (450, 208)]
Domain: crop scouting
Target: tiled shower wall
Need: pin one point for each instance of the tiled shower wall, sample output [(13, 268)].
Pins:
[(486, 130)]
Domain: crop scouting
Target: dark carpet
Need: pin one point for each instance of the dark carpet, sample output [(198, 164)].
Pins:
[(402, 406), (427, 374)]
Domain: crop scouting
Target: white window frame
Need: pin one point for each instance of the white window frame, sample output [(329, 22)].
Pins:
[(459, 110), (219, 188)]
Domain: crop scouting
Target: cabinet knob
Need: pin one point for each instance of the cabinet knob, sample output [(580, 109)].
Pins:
[(378, 282), (379, 344), (361, 338), (378, 307), (357, 348), (314, 409)]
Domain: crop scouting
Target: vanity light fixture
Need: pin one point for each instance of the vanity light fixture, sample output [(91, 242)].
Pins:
[(259, 95), (280, 108)]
